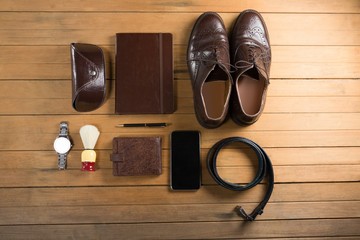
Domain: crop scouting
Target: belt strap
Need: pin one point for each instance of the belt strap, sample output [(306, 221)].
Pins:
[(264, 169)]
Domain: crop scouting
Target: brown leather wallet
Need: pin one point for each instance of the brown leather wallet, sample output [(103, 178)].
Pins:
[(136, 156), (88, 76)]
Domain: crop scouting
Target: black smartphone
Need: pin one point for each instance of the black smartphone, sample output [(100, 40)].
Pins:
[(185, 166)]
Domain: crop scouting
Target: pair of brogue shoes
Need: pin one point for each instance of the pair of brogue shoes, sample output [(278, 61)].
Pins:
[(229, 74)]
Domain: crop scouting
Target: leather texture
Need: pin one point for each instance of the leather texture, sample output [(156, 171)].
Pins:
[(208, 63), (251, 57), (136, 156), (144, 73), (88, 77), (265, 169)]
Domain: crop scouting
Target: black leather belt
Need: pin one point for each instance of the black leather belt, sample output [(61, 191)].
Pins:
[(264, 169)]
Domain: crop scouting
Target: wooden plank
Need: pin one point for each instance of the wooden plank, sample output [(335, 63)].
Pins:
[(99, 20), (326, 62), (42, 28), (291, 139), (312, 104), (107, 124), (279, 87), (36, 71), (280, 54), (233, 229), (289, 105), (328, 138), (310, 6), (315, 70), (103, 177), (303, 70), (173, 213), (313, 173), (314, 87), (143, 195), (228, 157), (311, 87), (318, 238), (42, 89), (45, 68), (299, 156)]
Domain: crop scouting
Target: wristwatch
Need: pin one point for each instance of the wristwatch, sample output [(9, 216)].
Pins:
[(62, 145)]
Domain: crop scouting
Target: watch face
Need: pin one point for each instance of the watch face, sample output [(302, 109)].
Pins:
[(62, 145)]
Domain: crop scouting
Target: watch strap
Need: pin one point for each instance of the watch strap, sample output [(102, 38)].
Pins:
[(63, 129), (62, 158), (62, 161)]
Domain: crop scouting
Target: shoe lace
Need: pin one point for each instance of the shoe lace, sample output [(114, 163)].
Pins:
[(253, 56), (213, 57), (253, 49)]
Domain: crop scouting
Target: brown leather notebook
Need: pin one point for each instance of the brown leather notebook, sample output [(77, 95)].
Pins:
[(144, 73), (136, 156)]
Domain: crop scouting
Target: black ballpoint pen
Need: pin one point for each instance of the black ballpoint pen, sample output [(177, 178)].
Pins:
[(142, 125)]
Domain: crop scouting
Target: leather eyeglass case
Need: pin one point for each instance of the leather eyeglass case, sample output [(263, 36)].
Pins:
[(88, 77)]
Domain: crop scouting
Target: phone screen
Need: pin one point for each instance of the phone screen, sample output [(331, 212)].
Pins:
[(185, 160)]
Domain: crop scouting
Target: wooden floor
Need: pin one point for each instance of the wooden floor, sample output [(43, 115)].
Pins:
[(310, 127)]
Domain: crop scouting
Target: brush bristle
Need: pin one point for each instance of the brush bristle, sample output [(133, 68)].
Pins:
[(89, 135)]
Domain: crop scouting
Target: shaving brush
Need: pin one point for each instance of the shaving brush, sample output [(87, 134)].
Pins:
[(89, 135)]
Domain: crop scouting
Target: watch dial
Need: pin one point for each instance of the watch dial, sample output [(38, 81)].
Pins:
[(62, 145)]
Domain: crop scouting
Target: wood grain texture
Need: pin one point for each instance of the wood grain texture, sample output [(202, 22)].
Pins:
[(321, 6), (288, 62), (48, 28), (310, 127), (187, 230)]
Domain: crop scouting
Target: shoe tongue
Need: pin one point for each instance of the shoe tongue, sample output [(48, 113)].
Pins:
[(253, 73), (255, 69), (260, 67), (217, 74), (256, 73), (212, 72), (204, 71)]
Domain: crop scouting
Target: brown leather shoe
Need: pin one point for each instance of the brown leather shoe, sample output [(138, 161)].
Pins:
[(251, 56), (209, 67)]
